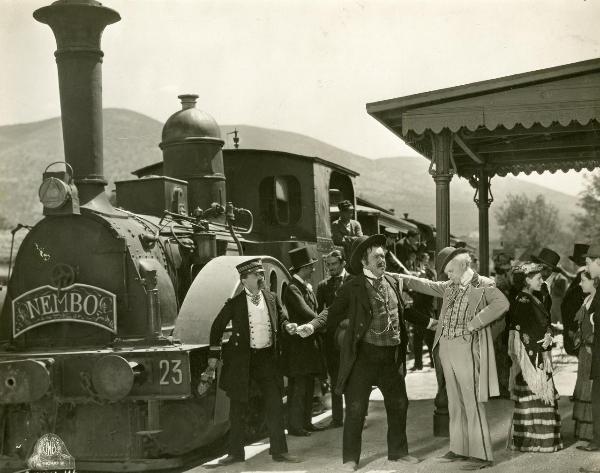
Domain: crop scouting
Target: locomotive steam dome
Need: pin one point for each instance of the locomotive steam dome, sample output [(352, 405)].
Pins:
[(192, 151), (189, 122)]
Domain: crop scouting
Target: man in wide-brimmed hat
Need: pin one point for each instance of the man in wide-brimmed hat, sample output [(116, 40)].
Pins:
[(373, 348), (303, 358), (573, 299), (555, 283), (257, 321), (466, 350), (592, 260), (345, 229)]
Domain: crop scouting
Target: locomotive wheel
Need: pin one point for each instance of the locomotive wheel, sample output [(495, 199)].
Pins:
[(213, 285)]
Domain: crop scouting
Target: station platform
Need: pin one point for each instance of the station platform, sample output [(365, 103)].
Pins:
[(322, 451)]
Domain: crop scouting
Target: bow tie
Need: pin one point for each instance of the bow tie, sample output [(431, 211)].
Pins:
[(254, 298)]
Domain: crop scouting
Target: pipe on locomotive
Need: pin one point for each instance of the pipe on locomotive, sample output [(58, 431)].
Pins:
[(77, 26)]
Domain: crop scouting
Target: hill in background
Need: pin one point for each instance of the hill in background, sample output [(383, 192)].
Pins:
[(131, 141)]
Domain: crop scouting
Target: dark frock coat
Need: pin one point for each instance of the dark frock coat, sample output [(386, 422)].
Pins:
[(352, 303), (235, 374), (302, 355)]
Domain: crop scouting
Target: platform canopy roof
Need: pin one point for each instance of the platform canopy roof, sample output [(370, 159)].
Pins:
[(545, 120)]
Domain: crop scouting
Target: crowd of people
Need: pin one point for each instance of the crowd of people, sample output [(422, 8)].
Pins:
[(494, 337)]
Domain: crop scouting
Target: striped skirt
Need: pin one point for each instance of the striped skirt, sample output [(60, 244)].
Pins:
[(535, 425)]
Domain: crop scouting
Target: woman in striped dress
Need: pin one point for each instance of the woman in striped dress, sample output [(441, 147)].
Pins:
[(582, 407), (536, 421)]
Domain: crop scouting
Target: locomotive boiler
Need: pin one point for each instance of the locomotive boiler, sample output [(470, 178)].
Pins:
[(104, 330)]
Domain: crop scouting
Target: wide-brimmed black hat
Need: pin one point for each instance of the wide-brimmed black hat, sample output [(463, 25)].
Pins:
[(301, 257), (359, 246), (548, 257), (579, 251), (446, 255)]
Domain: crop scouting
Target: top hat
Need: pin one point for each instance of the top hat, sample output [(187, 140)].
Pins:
[(592, 252), (548, 257), (446, 255), (345, 205), (301, 257), (579, 251), (250, 266), (359, 246)]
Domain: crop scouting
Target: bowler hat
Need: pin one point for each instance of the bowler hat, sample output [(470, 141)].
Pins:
[(412, 233), (359, 246), (579, 251), (548, 257), (345, 205), (446, 255), (301, 257), (460, 244), (593, 251)]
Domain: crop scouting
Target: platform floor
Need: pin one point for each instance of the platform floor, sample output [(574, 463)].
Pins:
[(321, 452)]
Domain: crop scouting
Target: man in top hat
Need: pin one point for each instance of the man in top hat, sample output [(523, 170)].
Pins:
[(463, 336), (326, 293), (304, 359), (251, 355), (592, 260), (555, 283), (573, 299), (345, 229), (373, 348)]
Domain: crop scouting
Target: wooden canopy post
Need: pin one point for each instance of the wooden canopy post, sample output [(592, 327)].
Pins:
[(483, 199), (442, 173)]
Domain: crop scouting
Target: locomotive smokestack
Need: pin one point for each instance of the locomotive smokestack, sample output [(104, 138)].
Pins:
[(78, 26)]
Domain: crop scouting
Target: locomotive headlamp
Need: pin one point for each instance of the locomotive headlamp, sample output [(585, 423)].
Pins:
[(57, 193), (113, 376), (24, 380)]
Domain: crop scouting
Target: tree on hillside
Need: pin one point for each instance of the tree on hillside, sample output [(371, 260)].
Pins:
[(530, 224), (588, 222)]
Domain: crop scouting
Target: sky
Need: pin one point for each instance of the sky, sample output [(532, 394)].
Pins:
[(307, 66)]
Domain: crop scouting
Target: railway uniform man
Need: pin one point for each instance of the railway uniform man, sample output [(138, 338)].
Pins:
[(326, 293), (466, 350), (252, 355), (373, 349), (345, 229)]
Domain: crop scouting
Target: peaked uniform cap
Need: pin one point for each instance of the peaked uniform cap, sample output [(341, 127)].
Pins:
[(250, 266)]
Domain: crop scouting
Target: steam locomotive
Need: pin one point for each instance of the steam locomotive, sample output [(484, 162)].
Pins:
[(104, 330)]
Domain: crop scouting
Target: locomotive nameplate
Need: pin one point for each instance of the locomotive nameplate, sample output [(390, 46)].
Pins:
[(76, 303)]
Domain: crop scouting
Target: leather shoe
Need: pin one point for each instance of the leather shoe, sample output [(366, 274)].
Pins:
[(590, 447), (349, 466), (229, 459), (408, 459), (476, 464), (299, 433), (285, 457), (314, 428), (416, 368), (452, 457), (334, 424)]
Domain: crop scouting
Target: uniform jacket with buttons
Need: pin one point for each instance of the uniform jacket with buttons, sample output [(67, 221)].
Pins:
[(302, 355), (235, 375), (352, 303)]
